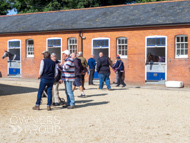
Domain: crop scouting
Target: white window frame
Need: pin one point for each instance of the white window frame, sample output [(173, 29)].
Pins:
[(69, 45), (180, 56), (54, 38), (27, 46), (101, 38), (122, 56)]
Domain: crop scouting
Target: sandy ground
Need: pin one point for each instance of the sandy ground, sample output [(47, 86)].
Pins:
[(149, 114)]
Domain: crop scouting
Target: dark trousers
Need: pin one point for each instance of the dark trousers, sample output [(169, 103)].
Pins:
[(120, 79), (91, 76)]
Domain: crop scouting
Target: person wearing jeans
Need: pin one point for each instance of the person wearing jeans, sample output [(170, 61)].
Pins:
[(68, 76), (103, 71), (47, 72), (104, 78)]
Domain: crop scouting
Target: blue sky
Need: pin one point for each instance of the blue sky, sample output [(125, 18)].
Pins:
[(12, 12)]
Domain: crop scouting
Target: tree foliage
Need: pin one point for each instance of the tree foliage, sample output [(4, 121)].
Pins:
[(30, 6), (4, 7)]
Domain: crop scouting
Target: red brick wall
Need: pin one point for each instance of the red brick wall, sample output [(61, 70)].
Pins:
[(177, 69)]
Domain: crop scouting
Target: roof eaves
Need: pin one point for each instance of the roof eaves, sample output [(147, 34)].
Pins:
[(100, 28)]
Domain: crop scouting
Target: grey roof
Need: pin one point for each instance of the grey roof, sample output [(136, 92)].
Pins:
[(164, 13)]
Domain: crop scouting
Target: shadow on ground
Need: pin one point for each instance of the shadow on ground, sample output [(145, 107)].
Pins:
[(10, 90), (83, 105), (97, 95)]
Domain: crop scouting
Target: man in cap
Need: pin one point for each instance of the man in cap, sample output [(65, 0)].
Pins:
[(68, 76)]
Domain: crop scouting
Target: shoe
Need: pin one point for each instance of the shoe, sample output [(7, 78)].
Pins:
[(65, 106), (117, 86), (71, 107), (48, 108), (109, 89), (36, 108), (82, 96), (84, 88), (56, 104), (124, 85)]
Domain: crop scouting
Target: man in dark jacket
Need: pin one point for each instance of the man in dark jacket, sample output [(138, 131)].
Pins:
[(78, 74), (103, 70)]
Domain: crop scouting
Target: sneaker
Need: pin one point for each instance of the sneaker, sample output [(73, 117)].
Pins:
[(36, 108), (124, 85), (109, 89), (56, 104), (71, 107), (82, 96), (48, 108), (65, 106)]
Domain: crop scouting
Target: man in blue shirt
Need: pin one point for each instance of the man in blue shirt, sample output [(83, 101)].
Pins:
[(91, 64)]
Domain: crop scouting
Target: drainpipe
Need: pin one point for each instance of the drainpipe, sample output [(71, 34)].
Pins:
[(80, 35)]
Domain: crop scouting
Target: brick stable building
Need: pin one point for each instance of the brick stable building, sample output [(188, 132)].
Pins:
[(132, 31)]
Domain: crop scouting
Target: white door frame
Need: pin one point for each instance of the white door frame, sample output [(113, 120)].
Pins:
[(156, 36), (20, 55)]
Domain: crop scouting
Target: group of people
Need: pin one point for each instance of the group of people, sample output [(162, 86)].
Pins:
[(72, 73)]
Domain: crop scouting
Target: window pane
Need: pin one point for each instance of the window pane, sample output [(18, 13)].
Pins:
[(119, 41), (153, 41), (158, 42), (178, 39), (186, 45), (125, 41), (182, 52), (178, 52), (163, 41), (182, 39), (186, 52), (106, 43), (178, 46), (186, 39), (182, 46), (125, 52), (149, 41)]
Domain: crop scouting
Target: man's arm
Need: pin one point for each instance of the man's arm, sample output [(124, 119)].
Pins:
[(41, 69), (98, 65)]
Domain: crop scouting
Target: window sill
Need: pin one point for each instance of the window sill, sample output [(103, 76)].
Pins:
[(181, 57)]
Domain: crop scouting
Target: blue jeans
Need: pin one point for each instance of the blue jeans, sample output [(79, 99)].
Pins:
[(43, 84), (104, 78), (69, 93)]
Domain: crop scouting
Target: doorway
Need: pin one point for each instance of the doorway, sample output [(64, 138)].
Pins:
[(14, 66), (156, 59), (100, 45)]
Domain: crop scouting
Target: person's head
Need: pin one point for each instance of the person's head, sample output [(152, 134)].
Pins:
[(118, 58), (47, 55), (53, 57), (101, 54), (93, 56), (73, 56), (66, 54), (79, 54)]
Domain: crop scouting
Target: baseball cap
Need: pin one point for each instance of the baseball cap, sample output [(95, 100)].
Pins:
[(67, 52), (44, 52)]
